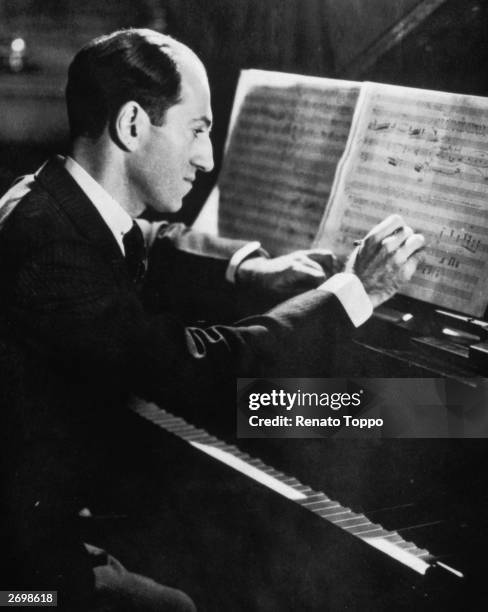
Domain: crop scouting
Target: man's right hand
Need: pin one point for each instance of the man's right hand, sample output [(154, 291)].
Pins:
[(386, 258)]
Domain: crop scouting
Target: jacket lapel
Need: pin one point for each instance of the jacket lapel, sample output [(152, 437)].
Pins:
[(77, 206)]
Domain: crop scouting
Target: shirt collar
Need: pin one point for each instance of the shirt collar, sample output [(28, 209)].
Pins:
[(118, 220)]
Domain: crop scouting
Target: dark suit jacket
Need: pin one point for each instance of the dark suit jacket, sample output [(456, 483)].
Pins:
[(80, 338)]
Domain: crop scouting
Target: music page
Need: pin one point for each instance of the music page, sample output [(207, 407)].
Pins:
[(287, 135), (422, 154)]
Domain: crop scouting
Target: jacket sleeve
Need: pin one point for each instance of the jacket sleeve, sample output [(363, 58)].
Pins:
[(70, 309)]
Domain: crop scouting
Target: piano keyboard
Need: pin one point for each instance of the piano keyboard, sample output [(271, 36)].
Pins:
[(357, 524)]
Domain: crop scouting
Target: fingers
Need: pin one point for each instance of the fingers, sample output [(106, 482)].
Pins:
[(386, 258), (409, 268), (315, 262), (410, 255), (412, 245), (309, 267), (394, 241), (321, 257), (388, 226), (285, 275), (399, 239)]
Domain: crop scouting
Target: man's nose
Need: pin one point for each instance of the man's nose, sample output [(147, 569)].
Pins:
[(202, 157)]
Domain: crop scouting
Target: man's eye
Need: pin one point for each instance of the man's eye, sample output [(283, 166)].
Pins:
[(198, 131)]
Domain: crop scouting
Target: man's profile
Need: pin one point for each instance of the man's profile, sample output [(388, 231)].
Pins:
[(92, 303)]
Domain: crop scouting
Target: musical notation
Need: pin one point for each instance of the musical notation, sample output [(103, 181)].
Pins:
[(421, 154), (287, 135)]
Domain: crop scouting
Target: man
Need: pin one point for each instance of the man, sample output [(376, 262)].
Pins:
[(85, 325)]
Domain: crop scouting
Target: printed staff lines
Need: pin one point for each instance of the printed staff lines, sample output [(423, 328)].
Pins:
[(430, 220), (425, 200), (452, 162), (391, 177), (298, 154), (405, 136), (257, 135), (438, 288), (457, 103), (283, 183), (446, 120)]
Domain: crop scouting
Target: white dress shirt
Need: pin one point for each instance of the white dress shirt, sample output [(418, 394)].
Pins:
[(116, 218)]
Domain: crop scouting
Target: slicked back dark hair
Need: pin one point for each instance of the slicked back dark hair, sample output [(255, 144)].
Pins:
[(111, 70)]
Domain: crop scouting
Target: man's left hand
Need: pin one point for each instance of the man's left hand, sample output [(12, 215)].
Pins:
[(287, 275)]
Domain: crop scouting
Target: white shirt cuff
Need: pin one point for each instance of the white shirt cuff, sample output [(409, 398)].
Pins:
[(350, 291), (239, 256)]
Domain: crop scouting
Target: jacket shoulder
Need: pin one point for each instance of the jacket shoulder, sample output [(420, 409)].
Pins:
[(34, 216)]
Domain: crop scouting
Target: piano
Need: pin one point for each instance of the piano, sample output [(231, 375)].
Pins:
[(268, 525), (303, 524), (271, 525)]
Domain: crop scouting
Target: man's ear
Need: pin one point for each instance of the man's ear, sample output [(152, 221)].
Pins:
[(130, 125)]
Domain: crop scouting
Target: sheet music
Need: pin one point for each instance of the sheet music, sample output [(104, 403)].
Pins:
[(287, 135), (424, 155)]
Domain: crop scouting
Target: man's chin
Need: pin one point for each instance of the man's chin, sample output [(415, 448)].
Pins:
[(176, 206), (166, 207)]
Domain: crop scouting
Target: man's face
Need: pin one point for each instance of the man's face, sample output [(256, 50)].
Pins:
[(170, 155)]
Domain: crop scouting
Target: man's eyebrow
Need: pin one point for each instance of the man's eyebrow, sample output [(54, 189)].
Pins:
[(203, 119)]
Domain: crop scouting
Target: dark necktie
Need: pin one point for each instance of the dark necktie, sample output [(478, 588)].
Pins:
[(135, 253)]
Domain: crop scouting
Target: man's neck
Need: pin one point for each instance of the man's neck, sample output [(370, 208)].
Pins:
[(107, 168)]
